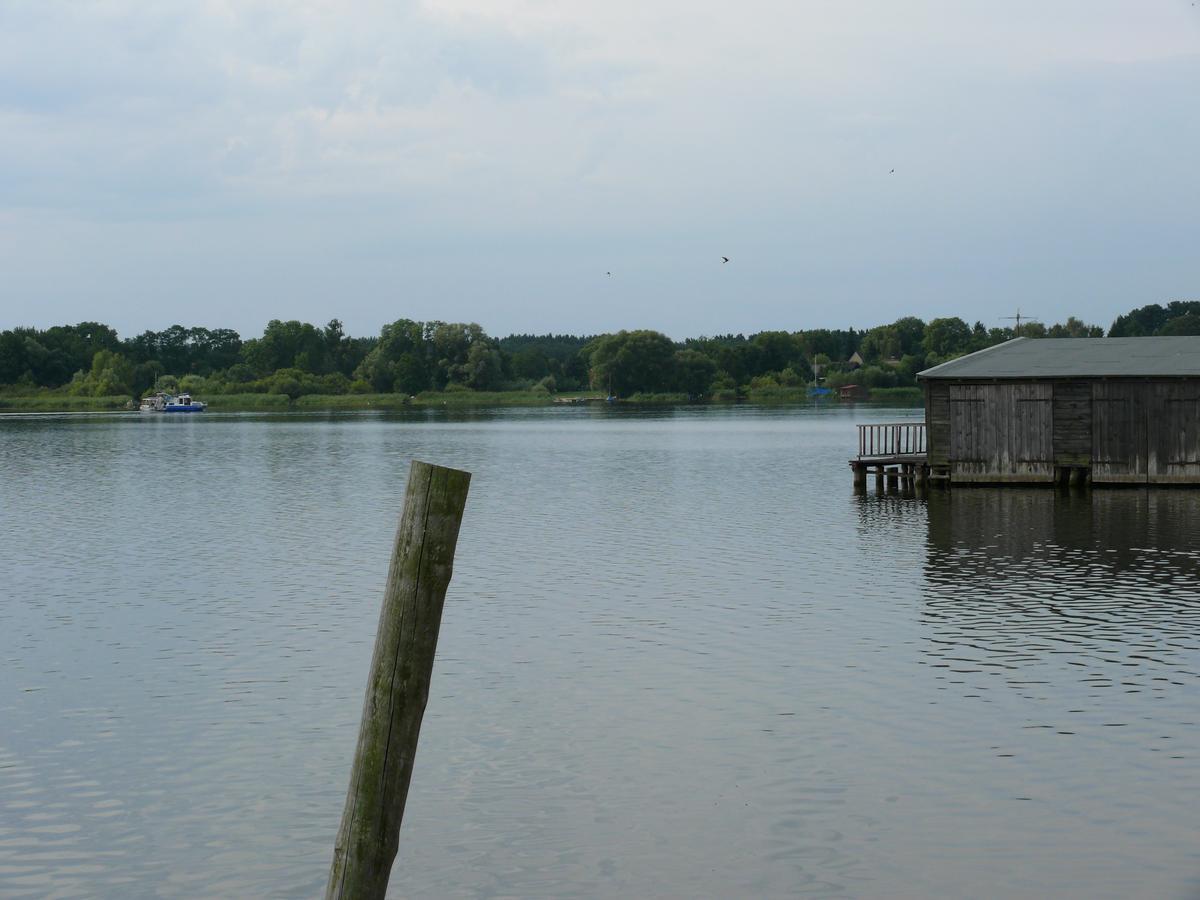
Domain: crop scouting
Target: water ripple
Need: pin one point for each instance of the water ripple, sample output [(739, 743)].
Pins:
[(679, 658)]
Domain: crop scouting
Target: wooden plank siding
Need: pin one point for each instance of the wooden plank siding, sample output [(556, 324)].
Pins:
[(1119, 432), (1001, 432), (937, 421), (1072, 423), (1173, 454)]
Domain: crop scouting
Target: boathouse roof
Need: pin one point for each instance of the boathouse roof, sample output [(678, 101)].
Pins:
[(1125, 357)]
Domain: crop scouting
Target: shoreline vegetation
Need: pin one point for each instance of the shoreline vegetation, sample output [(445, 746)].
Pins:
[(299, 366), (54, 401)]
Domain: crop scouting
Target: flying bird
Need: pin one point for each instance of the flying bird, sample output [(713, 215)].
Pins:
[(609, 274), (893, 172), (724, 259)]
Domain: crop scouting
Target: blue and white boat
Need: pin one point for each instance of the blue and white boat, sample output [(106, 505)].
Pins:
[(184, 404), (168, 403)]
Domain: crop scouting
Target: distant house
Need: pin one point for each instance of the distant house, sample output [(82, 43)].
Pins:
[(855, 361), (1115, 410)]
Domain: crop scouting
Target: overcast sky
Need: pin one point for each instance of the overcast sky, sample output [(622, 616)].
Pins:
[(225, 162)]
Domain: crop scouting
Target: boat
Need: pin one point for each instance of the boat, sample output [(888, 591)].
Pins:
[(163, 402), (184, 404), (155, 403)]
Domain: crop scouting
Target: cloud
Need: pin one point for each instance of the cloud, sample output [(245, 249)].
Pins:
[(1030, 141)]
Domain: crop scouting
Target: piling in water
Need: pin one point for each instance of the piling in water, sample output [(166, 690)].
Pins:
[(398, 684)]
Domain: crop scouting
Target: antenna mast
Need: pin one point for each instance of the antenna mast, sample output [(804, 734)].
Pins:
[(1018, 319)]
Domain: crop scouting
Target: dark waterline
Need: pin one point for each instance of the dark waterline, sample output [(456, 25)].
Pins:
[(679, 658)]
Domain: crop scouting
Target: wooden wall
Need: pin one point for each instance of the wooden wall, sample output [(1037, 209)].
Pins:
[(1146, 432), (937, 422), (1126, 430), (1072, 423), (1120, 441), (1001, 432)]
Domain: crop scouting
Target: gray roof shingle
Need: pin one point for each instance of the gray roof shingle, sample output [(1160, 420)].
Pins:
[(1130, 357)]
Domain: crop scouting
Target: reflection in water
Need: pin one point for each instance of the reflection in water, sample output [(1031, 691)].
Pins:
[(1103, 586), (1053, 693)]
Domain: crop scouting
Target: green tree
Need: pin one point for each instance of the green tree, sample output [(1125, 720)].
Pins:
[(482, 371), (14, 360), (398, 360), (631, 361), (288, 345), (1074, 328), (1188, 323), (947, 337), (694, 372)]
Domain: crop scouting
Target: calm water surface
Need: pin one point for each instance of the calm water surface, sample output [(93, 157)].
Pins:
[(679, 658)]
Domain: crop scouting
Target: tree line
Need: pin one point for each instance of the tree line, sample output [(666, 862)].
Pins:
[(411, 357)]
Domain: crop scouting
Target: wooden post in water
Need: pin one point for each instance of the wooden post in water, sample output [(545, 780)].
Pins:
[(398, 684)]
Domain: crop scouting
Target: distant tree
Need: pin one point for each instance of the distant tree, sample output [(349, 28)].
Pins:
[(144, 376), (631, 361), (947, 337), (1033, 330), (1188, 323), (482, 371), (110, 374), (531, 363), (288, 345), (399, 360), (1074, 328), (1145, 320), (910, 332), (14, 361), (694, 372), (451, 345)]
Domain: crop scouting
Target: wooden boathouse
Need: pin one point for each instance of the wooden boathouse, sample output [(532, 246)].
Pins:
[(1047, 410), (1104, 410)]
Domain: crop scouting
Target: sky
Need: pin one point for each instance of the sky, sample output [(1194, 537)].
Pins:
[(226, 162)]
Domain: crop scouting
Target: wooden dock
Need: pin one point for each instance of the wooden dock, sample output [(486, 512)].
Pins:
[(895, 452)]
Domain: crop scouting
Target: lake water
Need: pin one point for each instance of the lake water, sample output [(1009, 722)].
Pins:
[(679, 658)]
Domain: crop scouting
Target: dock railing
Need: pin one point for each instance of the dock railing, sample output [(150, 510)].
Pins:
[(891, 439)]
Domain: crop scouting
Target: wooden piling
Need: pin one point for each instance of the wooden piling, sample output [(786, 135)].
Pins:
[(398, 684), (860, 477)]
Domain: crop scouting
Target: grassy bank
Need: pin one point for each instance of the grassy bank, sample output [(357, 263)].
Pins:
[(898, 395), (50, 402), (779, 395), (483, 398), (659, 399), (248, 402), (351, 401), (424, 400)]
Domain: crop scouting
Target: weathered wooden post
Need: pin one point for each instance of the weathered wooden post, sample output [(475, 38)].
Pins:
[(860, 476), (398, 684)]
